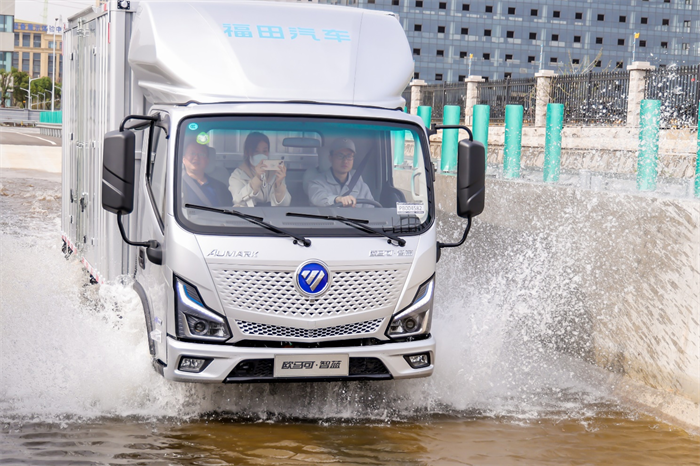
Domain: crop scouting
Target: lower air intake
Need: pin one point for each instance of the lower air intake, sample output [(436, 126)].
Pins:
[(262, 370)]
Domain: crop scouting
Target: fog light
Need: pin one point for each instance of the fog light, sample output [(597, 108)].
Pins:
[(193, 364), (416, 361)]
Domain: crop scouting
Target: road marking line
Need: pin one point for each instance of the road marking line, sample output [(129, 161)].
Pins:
[(29, 135)]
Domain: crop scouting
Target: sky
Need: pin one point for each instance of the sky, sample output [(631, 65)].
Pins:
[(32, 10)]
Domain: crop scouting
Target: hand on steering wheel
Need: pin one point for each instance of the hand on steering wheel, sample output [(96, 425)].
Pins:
[(350, 201), (345, 201)]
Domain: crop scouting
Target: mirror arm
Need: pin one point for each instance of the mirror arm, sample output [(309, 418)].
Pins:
[(149, 118), (460, 242), (153, 250), (434, 129), (126, 240), (164, 123)]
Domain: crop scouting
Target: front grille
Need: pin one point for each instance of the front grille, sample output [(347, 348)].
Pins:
[(262, 370), (357, 328), (273, 292)]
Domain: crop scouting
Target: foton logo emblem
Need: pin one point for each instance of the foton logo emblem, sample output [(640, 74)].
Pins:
[(312, 279)]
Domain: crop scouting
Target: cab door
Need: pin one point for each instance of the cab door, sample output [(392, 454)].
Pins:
[(151, 226)]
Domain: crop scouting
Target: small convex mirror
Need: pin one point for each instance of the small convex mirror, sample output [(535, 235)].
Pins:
[(471, 177), (118, 160)]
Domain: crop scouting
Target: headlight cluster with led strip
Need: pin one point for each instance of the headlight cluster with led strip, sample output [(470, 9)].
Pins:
[(415, 319), (194, 320)]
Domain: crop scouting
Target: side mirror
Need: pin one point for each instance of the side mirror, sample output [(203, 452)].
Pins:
[(118, 160), (471, 178)]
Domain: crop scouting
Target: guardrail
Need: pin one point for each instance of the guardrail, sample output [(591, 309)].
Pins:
[(51, 129), (19, 116)]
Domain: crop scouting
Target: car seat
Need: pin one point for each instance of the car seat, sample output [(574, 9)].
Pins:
[(216, 168)]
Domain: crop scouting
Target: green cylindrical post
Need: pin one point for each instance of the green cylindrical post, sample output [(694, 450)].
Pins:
[(697, 161), (513, 141), (448, 157), (648, 145), (552, 143), (480, 126), (426, 113), (399, 145)]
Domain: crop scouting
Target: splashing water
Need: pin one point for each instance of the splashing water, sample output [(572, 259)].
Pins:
[(75, 351)]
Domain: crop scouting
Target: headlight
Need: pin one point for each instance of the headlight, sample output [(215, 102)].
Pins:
[(194, 320), (415, 319)]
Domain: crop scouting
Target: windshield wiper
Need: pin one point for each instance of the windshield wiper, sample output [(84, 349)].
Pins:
[(300, 240), (357, 223)]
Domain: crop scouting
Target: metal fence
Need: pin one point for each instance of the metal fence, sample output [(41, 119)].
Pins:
[(589, 99), (678, 89), (439, 95), (498, 94), (593, 98)]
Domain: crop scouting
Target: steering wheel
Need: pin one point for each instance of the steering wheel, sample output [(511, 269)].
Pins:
[(361, 201)]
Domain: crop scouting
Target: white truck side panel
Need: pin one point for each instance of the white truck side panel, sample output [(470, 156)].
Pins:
[(97, 96)]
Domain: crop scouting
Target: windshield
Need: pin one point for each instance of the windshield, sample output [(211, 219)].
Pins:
[(277, 168)]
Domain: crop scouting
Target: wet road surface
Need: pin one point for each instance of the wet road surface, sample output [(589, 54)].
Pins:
[(76, 386)]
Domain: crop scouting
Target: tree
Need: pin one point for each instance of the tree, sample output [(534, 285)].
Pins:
[(39, 86), (5, 84), (20, 81)]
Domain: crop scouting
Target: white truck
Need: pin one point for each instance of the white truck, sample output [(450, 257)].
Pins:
[(249, 267)]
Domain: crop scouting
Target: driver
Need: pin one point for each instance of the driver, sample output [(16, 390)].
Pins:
[(330, 187), (198, 188)]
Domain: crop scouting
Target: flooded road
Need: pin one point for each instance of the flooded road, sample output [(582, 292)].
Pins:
[(602, 438), (76, 385)]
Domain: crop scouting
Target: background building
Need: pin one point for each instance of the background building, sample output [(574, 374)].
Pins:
[(509, 38), (33, 49), (7, 17)]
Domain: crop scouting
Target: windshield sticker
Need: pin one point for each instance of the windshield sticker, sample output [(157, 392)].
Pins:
[(278, 32), (203, 138), (193, 126), (410, 208)]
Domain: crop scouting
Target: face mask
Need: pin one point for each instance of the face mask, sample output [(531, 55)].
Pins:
[(257, 158)]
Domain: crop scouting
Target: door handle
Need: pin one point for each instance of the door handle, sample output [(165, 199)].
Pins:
[(83, 202)]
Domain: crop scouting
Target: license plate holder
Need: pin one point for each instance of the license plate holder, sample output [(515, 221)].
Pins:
[(312, 365)]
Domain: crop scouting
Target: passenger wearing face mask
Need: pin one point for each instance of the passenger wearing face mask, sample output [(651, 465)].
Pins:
[(250, 184)]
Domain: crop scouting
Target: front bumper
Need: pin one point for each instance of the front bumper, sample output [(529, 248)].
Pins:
[(225, 359)]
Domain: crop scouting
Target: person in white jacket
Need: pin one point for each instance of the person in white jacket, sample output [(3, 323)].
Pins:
[(330, 186), (250, 184)]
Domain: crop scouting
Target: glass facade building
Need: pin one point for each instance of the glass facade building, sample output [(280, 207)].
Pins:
[(516, 38)]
